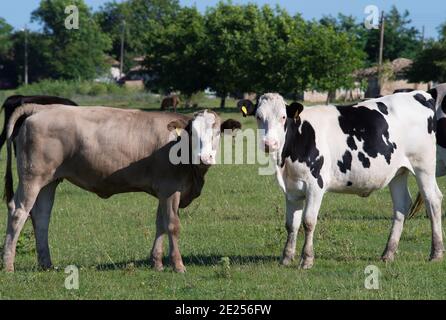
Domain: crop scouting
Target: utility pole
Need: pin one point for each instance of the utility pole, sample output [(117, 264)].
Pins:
[(26, 56), (121, 67), (422, 37), (381, 50)]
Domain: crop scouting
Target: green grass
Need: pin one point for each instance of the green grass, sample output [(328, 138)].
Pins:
[(240, 215)]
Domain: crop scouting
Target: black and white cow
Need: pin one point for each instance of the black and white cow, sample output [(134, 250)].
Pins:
[(439, 95), (351, 149)]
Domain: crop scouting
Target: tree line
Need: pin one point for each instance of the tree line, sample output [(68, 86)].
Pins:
[(229, 48)]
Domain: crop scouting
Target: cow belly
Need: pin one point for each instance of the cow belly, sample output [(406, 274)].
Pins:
[(363, 182), (105, 188)]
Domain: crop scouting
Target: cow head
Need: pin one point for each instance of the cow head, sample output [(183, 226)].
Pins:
[(204, 131), (272, 114)]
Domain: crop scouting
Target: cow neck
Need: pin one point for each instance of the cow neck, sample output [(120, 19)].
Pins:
[(199, 170), (291, 128)]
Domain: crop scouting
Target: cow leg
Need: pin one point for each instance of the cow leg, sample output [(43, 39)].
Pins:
[(311, 211), (156, 257), (40, 216), (18, 213), (173, 228), (293, 221), (3, 135), (432, 197), (401, 205)]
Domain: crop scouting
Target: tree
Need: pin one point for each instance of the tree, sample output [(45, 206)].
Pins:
[(40, 54), (238, 48), (76, 53), (400, 39), (143, 19), (331, 58), (5, 38), (430, 64), (177, 56)]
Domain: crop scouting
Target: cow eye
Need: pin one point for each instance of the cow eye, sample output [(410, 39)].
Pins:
[(283, 117), (258, 118)]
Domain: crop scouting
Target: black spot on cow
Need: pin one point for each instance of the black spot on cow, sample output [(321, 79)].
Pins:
[(434, 93), (431, 125), (346, 163), (369, 126), (441, 132), (443, 104), (427, 103), (382, 107), (351, 143), (364, 160), (300, 145), (349, 184)]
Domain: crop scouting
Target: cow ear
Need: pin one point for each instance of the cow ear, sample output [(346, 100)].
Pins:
[(433, 92), (293, 110), (246, 107), (230, 124), (178, 126)]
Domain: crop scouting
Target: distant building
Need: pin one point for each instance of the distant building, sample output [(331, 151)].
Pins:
[(394, 78)]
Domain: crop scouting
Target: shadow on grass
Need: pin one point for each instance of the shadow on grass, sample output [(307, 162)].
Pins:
[(196, 260)]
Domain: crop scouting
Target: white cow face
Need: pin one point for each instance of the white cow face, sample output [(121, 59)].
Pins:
[(205, 137), (272, 113)]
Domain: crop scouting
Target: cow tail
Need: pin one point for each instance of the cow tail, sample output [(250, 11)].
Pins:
[(416, 206), (9, 183), (23, 111)]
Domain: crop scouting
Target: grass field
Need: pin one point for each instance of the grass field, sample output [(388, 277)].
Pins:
[(240, 215)]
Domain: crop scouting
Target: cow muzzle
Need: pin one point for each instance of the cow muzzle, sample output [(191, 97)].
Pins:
[(270, 145), (208, 159)]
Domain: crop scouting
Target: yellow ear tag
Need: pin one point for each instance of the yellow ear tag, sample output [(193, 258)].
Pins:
[(244, 110), (178, 131)]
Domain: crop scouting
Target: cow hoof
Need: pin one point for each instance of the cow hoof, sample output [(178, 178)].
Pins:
[(46, 266), (388, 258), (286, 261), (158, 267), (436, 256), (306, 264), (180, 269), (9, 269)]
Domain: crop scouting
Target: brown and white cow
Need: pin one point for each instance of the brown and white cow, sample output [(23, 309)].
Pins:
[(105, 151)]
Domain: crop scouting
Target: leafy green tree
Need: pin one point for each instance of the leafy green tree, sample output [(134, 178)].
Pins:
[(76, 53), (141, 21), (40, 53), (177, 59), (331, 58), (276, 64), (243, 42), (5, 38), (430, 64), (401, 40)]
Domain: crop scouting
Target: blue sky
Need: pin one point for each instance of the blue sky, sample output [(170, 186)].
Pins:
[(430, 13)]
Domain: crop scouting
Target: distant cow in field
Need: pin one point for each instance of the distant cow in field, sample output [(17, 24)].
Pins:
[(171, 101), (352, 149), (105, 151), (14, 102)]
